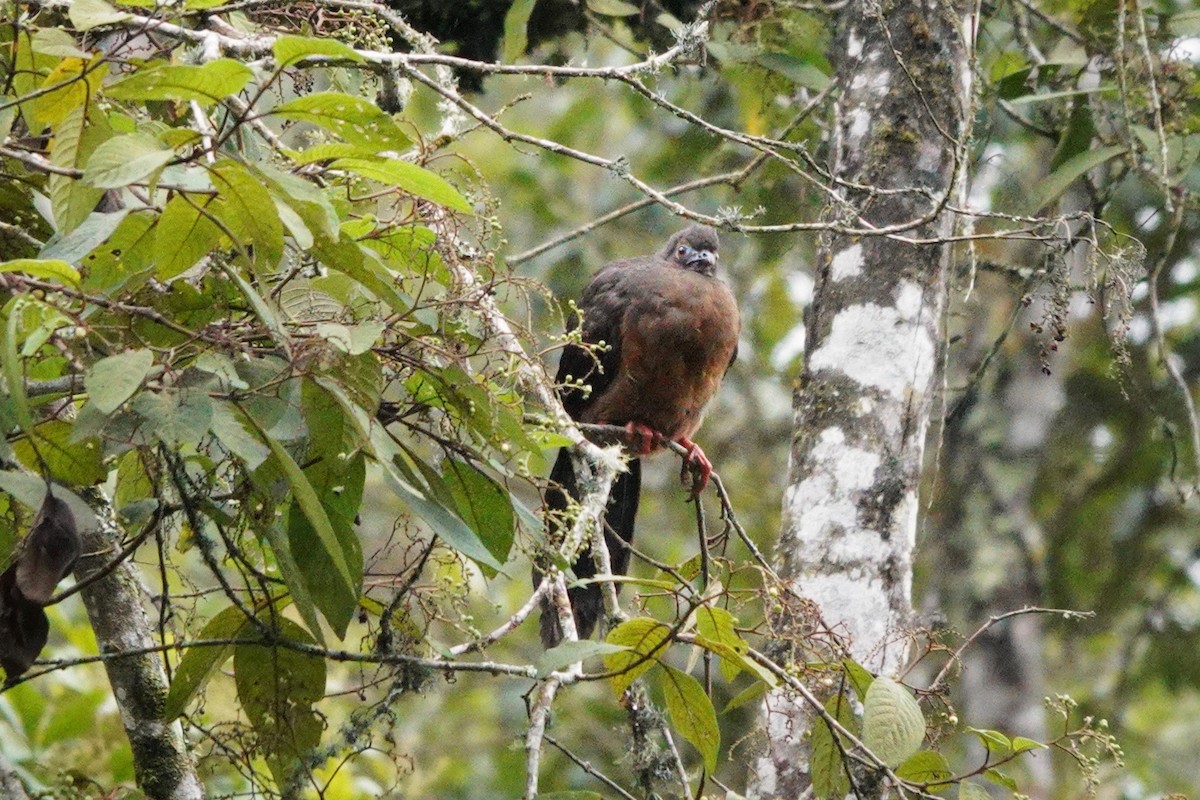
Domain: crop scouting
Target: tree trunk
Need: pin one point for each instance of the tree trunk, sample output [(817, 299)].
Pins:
[(161, 763), (873, 342)]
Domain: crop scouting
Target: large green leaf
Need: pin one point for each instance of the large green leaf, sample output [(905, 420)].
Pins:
[(199, 663), (113, 380), (88, 14), (73, 463), (830, 780), (413, 488), (483, 504), (1057, 182), (516, 25), (893, 725), (277, 687), (246, 207), (229, 426), (72, 200), (52, 268), (353, 118), (645, 638), (718, 625), (415, 180), (126, 159), (92, 232), (926, 766), (310, 504), (206, 84), (692, 713), (570, 652), (185, 233), (291, 49)]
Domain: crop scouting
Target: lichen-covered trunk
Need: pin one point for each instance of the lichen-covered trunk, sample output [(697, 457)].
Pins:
[(873, 363), (163, 768)]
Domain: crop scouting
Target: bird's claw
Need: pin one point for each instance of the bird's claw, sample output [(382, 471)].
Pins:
[(648, 440), (696, 463)]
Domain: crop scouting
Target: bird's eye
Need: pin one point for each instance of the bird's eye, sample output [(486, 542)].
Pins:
[(682, 251)]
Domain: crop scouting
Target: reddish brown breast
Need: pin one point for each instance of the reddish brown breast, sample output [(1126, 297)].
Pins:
[(679, 333)]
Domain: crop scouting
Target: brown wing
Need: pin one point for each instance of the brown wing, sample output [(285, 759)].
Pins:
[(603, 305)]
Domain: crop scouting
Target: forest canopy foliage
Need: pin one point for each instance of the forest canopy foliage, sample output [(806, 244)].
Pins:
[(270, 294)]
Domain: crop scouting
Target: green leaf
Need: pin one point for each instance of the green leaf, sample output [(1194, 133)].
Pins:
[(230, 429), (72, 200), (14, 376), (1184, 23), (1057, 182), (72, 463), (338, 481), (306, 198), (645, 638), (829, 778), (516, 25), (199, 663), (736, 655), (291, 49), (206, 84), (927, 767), (262, 309), (246, 207), (328, 151), (348, 257), (1076, 137), (354, 119), (421, 499), (718, 625), (91, 233), (277, 687), (70, 86), (1001, 779), (113, 380), (52, 268), (860, 679), (175, 418), (1020, 744), (483, 504), (972, 791), (415, 180), (183, 235), (568, 653), (749, 694), (613, 8), (572, 794), (995, 741), (294, 577), (88, 14), (352, 339), (798, 71), (126, 159), (692, 713), (310, 504), (893, 725)]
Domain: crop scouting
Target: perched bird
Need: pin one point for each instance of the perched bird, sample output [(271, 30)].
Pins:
[(665, 331)]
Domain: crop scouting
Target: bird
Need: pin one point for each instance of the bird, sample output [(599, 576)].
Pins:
[(658, 334)]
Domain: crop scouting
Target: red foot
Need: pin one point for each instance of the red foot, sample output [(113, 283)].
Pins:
[(697, 463), (648, 440)]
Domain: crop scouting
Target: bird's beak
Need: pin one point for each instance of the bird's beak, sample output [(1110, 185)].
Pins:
[(706, 257)]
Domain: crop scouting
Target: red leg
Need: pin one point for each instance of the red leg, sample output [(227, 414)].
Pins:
[(647, 438), (697, 463)]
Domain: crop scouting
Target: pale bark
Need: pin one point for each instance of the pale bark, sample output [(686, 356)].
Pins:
[(873, 344), (114, 604)]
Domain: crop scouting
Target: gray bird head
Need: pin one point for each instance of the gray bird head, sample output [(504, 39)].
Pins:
[(693, 248)]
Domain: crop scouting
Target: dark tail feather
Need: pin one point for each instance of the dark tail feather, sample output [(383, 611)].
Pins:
[(587, 601)]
